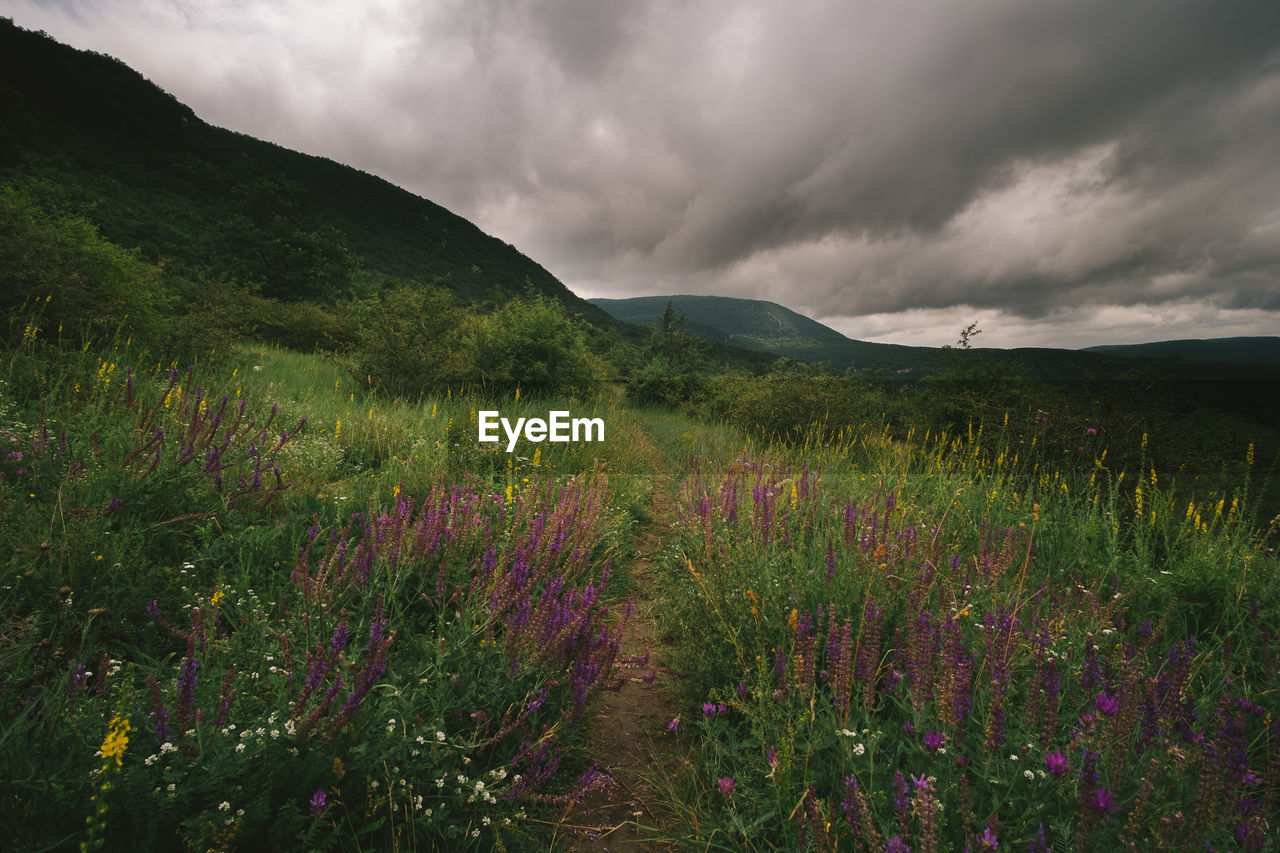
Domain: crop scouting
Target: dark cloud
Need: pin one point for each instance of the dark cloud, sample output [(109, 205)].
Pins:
[(1062, 166)]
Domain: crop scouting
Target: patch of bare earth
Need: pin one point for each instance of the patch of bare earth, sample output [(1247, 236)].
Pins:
[(628, 734)]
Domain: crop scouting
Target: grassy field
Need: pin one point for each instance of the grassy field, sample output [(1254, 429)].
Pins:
[(247, 605)]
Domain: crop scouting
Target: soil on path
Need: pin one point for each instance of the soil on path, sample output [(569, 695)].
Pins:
[(628, 734)]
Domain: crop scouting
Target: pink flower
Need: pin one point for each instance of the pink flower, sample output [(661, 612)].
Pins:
[(726, 785)]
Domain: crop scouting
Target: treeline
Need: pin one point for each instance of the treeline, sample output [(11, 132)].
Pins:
[(65, 285), (68, 287)]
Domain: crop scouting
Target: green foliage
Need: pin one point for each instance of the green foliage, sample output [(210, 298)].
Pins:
[(61, 282), (530, 343), (672, 372), (415, 341), (784, 403)]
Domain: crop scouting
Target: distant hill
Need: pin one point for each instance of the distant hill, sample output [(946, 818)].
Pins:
[(88, 135), (1255, 350), (767, 326)]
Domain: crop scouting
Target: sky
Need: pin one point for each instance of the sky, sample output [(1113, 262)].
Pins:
[(1062, 172)]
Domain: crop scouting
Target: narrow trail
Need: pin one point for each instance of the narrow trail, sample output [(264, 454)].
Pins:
[(628, 734)]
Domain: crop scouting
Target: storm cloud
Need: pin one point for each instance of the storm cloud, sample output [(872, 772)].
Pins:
[(1067, 172)]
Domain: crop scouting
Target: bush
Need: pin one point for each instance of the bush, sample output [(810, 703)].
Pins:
[(413, 341), (531, 344)]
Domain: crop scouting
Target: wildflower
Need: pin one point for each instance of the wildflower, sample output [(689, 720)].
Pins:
[(224, 806), (1109, 705), (934, 741), (1091, 431), (1103, 801), (1056, 762), (988, 840), (726, 785), (674, 725), (317, 802), (117, 740)]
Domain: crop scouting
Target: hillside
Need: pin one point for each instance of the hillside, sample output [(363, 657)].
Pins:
[(1243, 350), (88, 135), (767, 326)]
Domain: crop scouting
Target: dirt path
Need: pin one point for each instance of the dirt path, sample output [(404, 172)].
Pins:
[(628, 734)]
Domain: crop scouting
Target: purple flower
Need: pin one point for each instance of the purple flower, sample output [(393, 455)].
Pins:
[(1091, 431), (988, 840), (771, 756), (726, 785), (674, 725), (708, 709), (1103, 800), (114, 504), (1041, 417), (1056, 762), (1108, 705), (934, 741), (317, 802), (897, 845)]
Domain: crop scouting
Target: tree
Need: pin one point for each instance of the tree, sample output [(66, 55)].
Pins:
[(671, 372)]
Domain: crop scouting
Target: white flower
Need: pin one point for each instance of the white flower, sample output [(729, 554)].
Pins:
[(275, 733), (859, 749), (1029, 775), (1013, 757), (240, 747), (440, 736), (224, 806), (485, 820)]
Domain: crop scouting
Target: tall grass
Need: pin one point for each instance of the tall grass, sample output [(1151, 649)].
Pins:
[(247, 606), (929, 644)]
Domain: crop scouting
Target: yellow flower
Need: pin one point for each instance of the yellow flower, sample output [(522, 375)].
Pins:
[(117, 739), (217, 597), (793, 621)]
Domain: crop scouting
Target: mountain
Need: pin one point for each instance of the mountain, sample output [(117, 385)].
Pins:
[(1251, 350), (85, 134), (767, 326)]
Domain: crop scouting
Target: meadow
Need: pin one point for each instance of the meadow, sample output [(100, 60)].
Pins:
[(249, 604)]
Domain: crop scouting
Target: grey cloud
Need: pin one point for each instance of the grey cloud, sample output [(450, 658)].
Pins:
[(843, 158)]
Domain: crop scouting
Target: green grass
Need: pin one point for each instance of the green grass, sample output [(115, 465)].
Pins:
[(460, 592)]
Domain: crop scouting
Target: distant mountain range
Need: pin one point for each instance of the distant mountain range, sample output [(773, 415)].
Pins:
[(762, 325), (1255, 350)]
